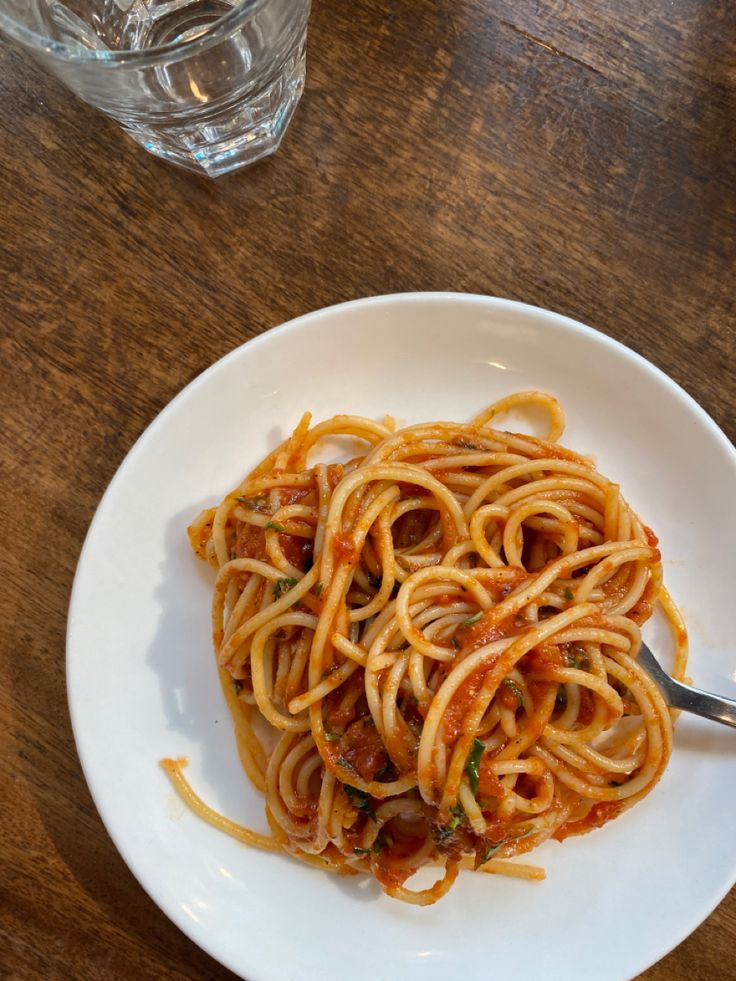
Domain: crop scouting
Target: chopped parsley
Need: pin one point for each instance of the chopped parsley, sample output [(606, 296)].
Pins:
[(471, 620), (473, 763), (318, 589), (282, 586), (332, 737), (569, 595), (491, 849), (359, 799), (254, 503), (274, 526), (515, 690)]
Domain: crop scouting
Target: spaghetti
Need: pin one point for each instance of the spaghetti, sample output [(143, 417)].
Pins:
[(429, 651)]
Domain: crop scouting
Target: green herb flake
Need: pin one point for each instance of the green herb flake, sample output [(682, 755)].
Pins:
[(332, 737), (254, 503), (491, 849), (569, 595), (282, 586), (274, 526), (359, 799), (361, 851), (471, 620), (472, 766), (318, 589), (515, 690)]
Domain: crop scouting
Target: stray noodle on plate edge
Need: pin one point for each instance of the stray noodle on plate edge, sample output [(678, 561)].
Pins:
[(429, 651)]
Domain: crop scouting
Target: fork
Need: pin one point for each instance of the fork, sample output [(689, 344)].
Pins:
[(684, 697)]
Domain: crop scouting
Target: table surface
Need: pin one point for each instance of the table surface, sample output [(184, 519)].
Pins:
[(575, 154)]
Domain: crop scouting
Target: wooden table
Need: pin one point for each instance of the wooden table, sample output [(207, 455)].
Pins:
[(576, 154)]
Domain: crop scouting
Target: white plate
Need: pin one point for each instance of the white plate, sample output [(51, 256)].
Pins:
[(142, 682)]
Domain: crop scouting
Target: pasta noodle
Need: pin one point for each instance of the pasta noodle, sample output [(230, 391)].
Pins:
[(430, 650)]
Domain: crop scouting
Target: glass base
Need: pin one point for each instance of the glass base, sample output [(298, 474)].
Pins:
[(233, 136)]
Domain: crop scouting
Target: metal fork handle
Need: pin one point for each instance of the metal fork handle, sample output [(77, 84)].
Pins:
[(703, 703)]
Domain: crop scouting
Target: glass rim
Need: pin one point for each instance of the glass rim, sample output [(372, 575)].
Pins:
[(170, 52)]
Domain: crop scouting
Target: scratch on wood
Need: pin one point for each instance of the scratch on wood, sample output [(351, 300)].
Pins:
[(550, 47)]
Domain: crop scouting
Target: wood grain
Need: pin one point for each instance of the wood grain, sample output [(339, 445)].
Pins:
[(576, 154)]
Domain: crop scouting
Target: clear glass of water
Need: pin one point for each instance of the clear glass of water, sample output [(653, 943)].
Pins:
[(208, 84)]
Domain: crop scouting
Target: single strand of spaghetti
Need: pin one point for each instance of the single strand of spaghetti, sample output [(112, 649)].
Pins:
[(478, 522), (346, 647), (260, 686), (290, 451), (509, 402), (274, 609), (674, 616), (319, 691), (611, 512), (344, 425), (471, 808), (310, 765), (541, 801), (426, 897), (324, 491), (485, 458), (596, 635), (457, 553), (283, 664), (298, 664), (514, 870), (421, 691), (174, 769)]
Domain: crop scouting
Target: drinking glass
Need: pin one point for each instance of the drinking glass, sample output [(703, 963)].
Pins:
[(207, 84)]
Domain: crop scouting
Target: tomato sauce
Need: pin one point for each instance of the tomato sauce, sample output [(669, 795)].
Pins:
[(598, 815), (250, 543), (489, 784), (344, 548), (363, 749), (460, 703)]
